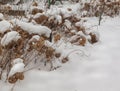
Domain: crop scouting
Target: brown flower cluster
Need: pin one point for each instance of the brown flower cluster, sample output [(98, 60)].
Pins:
[(107, 7)]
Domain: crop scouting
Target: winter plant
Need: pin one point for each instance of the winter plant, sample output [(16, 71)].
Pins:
[(36, 36)]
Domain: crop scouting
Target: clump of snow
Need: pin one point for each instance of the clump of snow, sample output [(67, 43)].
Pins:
[(84, 13), (16, 1), (51, 18), (73, 31), (78, 24), (88, 37), (58, 19), (38, 15), (81, 33), (73, 38), (4, 26), (9, 37), (66, 13), (35, 37), (59, 50), (18, 66), (68, 24), (16, 61), (34, 29), (1, 16), (48, 44)]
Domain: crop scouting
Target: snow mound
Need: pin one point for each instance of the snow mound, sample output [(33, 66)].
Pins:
[(4, 25), (9, 37)]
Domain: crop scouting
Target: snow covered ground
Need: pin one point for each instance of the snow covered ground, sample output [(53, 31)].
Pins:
[(97, 70)]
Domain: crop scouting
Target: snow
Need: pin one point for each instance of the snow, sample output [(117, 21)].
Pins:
[(80, 33), (58, 19), (35, 37), (18, 66), (48, 44), (55, 10), (96, 70), (38, 15), (16, 1), (33, 29), (4, 26), (1, 16), (73, 38), (78, 24), (73, 31), (9, 37), (84, 13), (91, 68), (68, 24), (17, 60)]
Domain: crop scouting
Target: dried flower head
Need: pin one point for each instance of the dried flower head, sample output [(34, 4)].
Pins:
[(57, 37), (49, 53), (65, 59)]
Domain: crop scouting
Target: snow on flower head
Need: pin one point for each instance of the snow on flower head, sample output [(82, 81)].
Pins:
[(4, 26), (17, 60), (33, 29), (18, 66), (35, 37), (9, 37)]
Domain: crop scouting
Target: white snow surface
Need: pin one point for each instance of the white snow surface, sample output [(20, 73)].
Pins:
[(18, 66), (97, 70), (9, 37), (4, 26)]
